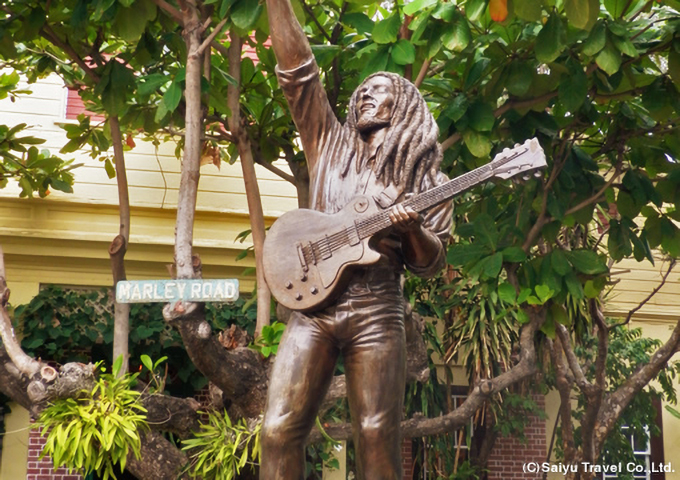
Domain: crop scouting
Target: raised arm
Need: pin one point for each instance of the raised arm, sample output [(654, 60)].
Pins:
[(291, 46)]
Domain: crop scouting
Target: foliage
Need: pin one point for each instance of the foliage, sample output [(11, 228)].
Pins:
[(267, 343), (222, 448), (96, 431), (77, 325), (35, 170)]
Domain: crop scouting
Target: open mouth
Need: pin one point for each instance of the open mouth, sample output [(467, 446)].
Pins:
[(366, 106)]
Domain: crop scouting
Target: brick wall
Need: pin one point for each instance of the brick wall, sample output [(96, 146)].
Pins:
[(510, 455), (407, 458), (43, 469)]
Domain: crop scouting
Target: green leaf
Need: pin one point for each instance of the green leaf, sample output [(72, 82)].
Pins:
[(559, 262), (591, 290), (108, 166), (514, 255), (418, 5), (616, 7), (478, 143), (146, 361), (549, 42), (172, 96), (544, 292), (245, 14), (573, 90), (574, 285), (445, 11), (507, 293), (559, 314), (387, 30), (150, 83), (492, 265), (609, 59), (580, 13), (403, 53), (486, 231), (359, 21), (474, 9), (457, 35), (529, 10), (130, 22), (460, 255), (377, 62), (481, 117), (520, 77), (674, 66), (596, 40), (586, 261), (624, 45)]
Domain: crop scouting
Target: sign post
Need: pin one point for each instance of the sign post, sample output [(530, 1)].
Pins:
[(170, 291)]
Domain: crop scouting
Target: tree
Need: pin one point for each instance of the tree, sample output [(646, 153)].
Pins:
[(595, 81)]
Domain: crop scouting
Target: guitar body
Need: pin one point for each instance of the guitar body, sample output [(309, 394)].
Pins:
[(302, 270)]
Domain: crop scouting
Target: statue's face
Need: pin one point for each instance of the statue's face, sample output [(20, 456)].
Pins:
[(375, 99)]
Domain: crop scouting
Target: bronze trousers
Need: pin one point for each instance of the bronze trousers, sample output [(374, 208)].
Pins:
[(366, 325)]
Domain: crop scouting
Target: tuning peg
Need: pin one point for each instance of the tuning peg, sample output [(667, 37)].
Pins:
[(516, 145), (526, 177), (538, 174)]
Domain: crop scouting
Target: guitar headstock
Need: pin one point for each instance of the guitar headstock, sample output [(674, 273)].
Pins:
[(526, 157)]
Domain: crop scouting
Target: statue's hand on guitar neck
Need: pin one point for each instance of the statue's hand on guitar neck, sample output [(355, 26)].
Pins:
[(404, 219)]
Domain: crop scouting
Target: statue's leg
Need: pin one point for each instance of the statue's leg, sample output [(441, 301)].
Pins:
[(375, 366), (300, 377)]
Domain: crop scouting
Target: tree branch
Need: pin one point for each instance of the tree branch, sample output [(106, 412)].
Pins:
[(648, 298), (25, 364), (579, 377), (210, 38), (239, 373), (250, 179), (564, 383), (170, 10), (422, 74), (420, 426), (49, 34)]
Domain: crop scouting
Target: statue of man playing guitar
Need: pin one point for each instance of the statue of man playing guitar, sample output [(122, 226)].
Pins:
[(386, 150)]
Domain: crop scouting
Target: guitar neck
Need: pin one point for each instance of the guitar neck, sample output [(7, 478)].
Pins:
[(421, 202)]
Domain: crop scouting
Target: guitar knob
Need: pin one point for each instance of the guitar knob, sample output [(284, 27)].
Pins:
[(303, 277), (289, 285), (298, 296), (314, 290)]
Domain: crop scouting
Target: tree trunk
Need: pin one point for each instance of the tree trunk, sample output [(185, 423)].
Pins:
[(188, 186), (118, 248), (250, 179)]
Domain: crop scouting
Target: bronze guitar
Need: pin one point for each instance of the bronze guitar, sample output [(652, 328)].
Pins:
[(309, 255)]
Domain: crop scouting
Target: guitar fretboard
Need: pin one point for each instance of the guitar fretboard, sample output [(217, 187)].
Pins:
[(324, 247), (421, 202)]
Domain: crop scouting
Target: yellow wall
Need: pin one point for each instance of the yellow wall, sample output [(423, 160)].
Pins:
[(15, 444)]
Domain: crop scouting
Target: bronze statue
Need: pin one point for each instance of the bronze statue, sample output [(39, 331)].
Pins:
[(386, 150)]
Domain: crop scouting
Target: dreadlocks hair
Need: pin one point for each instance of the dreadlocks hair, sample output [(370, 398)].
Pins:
[(410, 150)]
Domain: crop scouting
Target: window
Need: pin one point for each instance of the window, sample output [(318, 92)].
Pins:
[(648, 452)]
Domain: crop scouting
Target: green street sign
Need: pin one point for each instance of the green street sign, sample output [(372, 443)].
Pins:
[(169, 291)]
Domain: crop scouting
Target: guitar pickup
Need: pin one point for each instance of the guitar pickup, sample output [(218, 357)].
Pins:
[(353, 235), (301, 256)]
